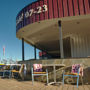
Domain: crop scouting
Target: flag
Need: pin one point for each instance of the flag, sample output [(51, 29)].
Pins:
[(3, 50)]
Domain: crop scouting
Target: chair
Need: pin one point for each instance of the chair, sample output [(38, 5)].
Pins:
[(2, 70), (7, 71), (37, 70), (19, 70), (77, 71), (15, 70)]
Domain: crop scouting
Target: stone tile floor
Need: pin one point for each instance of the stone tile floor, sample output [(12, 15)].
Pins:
[(12, 84)]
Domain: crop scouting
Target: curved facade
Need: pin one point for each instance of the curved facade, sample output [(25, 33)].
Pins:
[(37, 23), (49, 9)]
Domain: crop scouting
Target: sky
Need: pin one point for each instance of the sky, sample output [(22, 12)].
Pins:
[(13, 46)]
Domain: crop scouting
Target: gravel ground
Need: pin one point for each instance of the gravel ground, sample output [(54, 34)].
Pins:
[(13, 84)]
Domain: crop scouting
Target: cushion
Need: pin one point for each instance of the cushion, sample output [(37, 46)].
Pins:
[(77, 68), (37, 67), (39, 73)]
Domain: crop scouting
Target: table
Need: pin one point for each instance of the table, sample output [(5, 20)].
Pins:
[(54, 71)]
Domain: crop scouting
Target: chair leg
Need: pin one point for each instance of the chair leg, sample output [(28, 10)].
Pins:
[(63, 79), (32, 79), (3, 74), (82, 80), (47, 78), (77, 81), (9, 75)]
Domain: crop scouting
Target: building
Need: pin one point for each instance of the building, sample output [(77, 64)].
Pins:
[(58, 27)]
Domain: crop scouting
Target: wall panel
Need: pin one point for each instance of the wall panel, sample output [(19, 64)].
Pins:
[(86, 3), (70, 5), (60, 8), (65, 8), (41, 14), (33, 16), (55, 8), (37, 15), (46, 13), (81, 7), (80, 46), (76, 8), (50, 8)]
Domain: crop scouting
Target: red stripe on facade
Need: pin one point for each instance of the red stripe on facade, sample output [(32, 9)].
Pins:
[(89, 4), (65, 8), (60, 8), (37, 15), (81, 7), (46, 13), (50, 9), (41, 14), (27, 18), (86, 6), (31, 21), (76, 10), (24, 16), (55, 8), (28, 21), (30, 18), (33, 15), (22, 21), (70, 7)]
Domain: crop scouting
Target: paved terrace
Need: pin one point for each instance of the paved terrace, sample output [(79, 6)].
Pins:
[(12, 84)]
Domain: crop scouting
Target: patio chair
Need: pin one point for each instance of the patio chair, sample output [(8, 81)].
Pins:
[(2, 70), (15, 70), (77, 71), (37, 70), (7, 71), (19, 71)]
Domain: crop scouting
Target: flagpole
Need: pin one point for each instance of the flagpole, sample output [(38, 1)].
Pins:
[(3, 52)]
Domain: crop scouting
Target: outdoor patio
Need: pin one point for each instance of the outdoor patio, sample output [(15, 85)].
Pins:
[(13, 84)]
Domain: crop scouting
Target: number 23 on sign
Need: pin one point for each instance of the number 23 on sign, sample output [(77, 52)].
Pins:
[(38, 10)]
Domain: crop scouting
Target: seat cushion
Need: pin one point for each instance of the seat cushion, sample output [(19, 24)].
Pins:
[(39, 72), (15, 71), (73, 74)]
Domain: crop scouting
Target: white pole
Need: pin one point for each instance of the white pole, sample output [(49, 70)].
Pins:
[(60, 40)]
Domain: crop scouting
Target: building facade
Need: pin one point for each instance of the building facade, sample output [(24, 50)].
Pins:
[(37, 24)]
